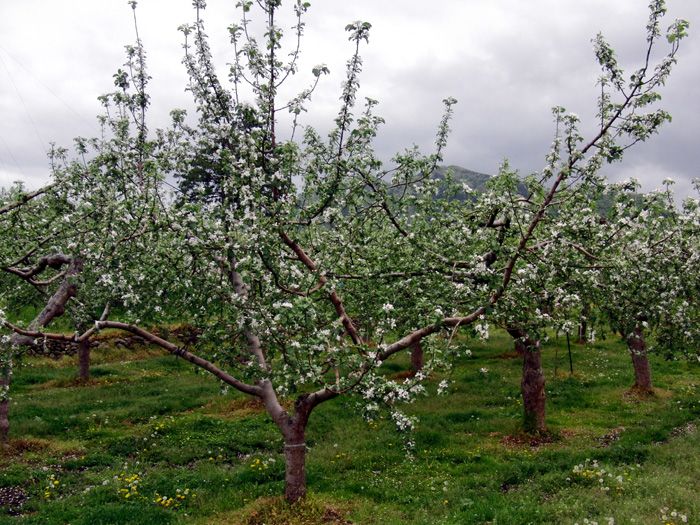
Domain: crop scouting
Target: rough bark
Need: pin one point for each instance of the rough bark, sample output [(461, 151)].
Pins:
[(642, 369), (293, 429), (417, 362), (84, 360), (295, 458), (532, 383)]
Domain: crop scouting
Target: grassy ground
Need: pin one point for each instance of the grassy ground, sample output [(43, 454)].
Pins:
[(150, 441)]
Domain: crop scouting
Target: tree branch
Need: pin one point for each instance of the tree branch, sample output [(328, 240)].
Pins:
[(181, 352)]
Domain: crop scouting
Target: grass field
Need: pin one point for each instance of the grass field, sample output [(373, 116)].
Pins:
[(151, 441)]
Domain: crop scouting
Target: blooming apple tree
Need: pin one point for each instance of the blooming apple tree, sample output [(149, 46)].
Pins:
[(646, 282), (65, 242), (504, 258)]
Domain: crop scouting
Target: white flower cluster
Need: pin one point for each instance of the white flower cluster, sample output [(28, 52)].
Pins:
[(442, 387), (609, 521), (668, 515), (482, 330), (403, 422), (5, 393)]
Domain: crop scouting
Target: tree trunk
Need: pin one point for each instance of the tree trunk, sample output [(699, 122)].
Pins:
[(55, 307), (295, 463), (583, 327), (417, 362), (294, 432), (582, 332), (532, 383), (84, 360), (642, 369), (5, 403), (293, 429)]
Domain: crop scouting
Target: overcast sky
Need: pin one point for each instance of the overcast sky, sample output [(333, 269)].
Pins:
[(506, 61)]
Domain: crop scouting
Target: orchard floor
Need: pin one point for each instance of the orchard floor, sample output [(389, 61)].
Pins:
[(150, 440)]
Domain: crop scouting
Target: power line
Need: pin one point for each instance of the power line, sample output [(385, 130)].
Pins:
[(92, 125), (12, 80), (11, 156)]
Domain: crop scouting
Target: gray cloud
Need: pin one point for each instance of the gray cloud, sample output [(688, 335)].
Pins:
[(507, 62)]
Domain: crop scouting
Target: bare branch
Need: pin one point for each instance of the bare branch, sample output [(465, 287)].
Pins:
[(181, 352)]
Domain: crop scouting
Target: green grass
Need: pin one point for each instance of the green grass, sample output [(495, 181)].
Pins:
[(152, 441)]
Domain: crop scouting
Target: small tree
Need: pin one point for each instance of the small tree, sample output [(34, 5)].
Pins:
[(62, 240), (647, 279), (63, 274), (545, 287), (522, 247)]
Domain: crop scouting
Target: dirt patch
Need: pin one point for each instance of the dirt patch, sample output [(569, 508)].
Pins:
[(250, 406), (247, 404), (534, 441), (275, 511), (399, 376), (12, 499), (636, 395), (684, 431), (17, 447), (408, 374), (507, 487), (610, 437)]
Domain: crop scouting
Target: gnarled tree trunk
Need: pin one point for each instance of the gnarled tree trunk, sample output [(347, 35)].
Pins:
[(532, 383), (55, 307), (642, 369)]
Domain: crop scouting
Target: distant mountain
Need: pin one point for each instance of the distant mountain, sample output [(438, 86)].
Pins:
[(474, 179), (478, 182)]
